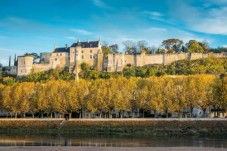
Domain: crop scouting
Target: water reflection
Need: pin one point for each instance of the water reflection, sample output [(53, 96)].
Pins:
[(109, 141)]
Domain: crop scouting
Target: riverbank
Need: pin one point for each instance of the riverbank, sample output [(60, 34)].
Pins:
[(59, 148), (149, 127)]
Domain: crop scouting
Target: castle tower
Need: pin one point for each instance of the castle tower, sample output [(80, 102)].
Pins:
[(24, 65)]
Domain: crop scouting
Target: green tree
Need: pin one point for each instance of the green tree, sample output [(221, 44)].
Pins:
[(105, 49), (194, 47), (36, 57), (172, 45)]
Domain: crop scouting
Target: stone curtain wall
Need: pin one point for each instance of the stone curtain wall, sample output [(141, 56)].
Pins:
[(113, 62), (117, 62)]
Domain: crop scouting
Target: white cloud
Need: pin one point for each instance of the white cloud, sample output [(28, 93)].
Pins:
[(225, 46), (81, 31), (205, 19), (154, 15)]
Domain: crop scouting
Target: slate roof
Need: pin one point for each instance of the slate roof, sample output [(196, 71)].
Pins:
[(59, 50), (87, 44)]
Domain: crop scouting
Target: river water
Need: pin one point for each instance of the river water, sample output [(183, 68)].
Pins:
[(110, 141)]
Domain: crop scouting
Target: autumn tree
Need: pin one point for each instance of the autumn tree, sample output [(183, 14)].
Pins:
[(96, 98), (82, 95), (72, 98), (1, 97), (220, 93), (41, 98), (27, 91)]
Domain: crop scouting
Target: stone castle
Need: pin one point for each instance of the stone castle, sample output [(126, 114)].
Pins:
[(90, 52)]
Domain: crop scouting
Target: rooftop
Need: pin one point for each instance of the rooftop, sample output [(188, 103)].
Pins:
[(87, 44)]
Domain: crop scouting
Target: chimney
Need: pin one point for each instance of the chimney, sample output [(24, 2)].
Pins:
[(78, 40), (66, 46)]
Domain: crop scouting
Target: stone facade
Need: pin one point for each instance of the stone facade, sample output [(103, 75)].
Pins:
[(25, 65), (90, 52)]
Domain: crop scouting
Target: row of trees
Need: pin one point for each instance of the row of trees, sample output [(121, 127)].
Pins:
[(159, 94), (168, 46)]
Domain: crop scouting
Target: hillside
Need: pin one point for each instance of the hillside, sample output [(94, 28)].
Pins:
[(215, 66)]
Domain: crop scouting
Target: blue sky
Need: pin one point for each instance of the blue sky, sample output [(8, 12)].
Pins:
[(36, 26)]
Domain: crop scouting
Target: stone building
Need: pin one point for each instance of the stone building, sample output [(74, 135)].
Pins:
[(90, 52)]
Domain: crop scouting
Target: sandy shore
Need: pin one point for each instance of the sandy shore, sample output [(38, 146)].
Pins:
[(47, 148)]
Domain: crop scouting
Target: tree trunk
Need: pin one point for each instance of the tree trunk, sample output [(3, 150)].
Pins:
[(191, 108), (166, 113), (121, 112), (133, 113), (23, 115), (15, 114), (80, 114), (155, 114), (100, 114), (143, 113), (41, 115), (204, 112), (70, 115), (33, 115), (110, 114)]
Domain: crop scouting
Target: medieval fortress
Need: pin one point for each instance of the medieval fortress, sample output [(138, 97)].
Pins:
[(90, 52)]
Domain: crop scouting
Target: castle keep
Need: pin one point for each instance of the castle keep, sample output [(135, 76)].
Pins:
[(90, 52)]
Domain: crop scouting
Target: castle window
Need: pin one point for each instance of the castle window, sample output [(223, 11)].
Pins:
[(90, 51), (56, 59), (21, 71), (90, 56), (82, 51), (82, 56), (60, 54)]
